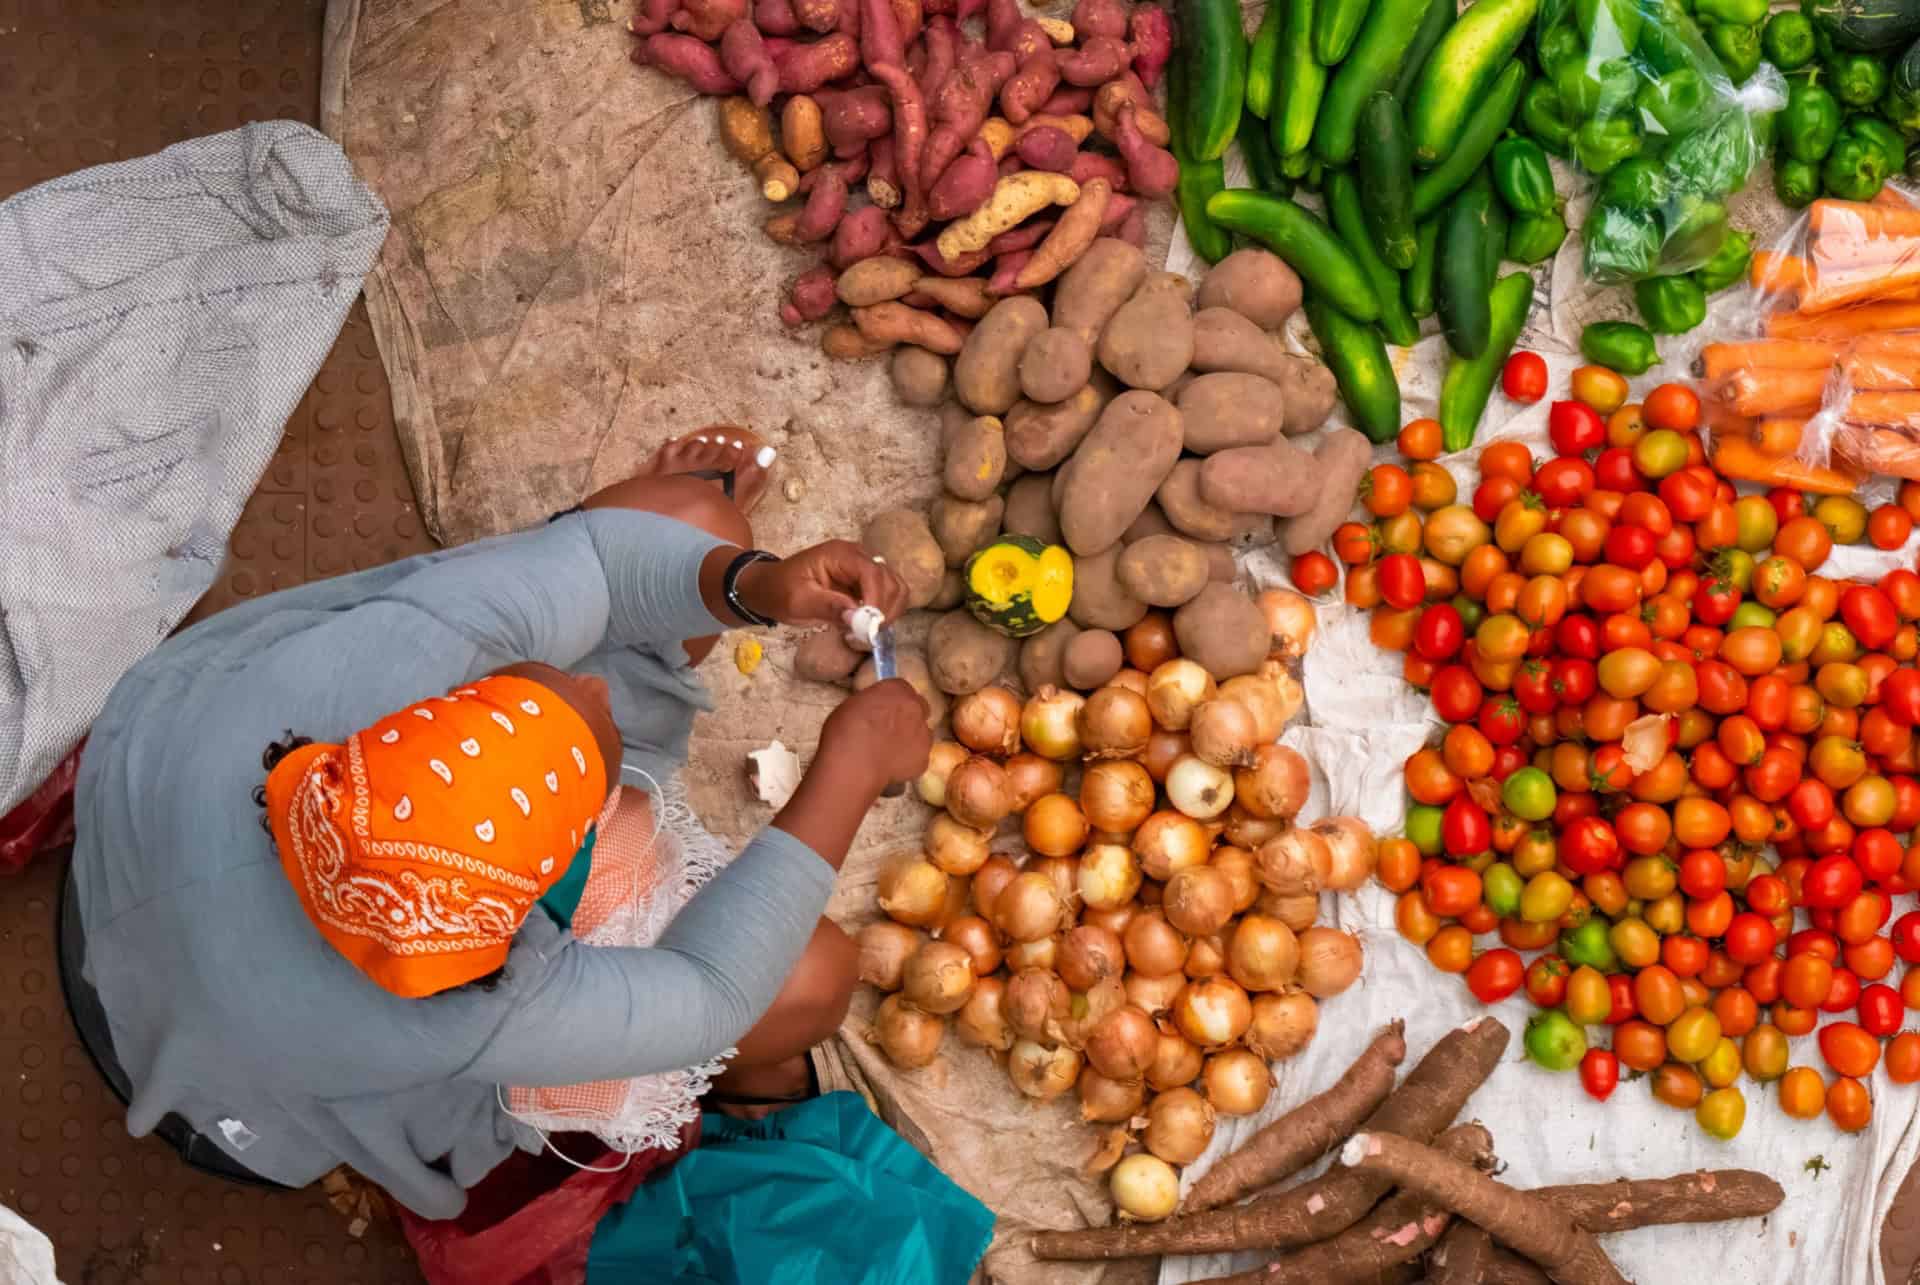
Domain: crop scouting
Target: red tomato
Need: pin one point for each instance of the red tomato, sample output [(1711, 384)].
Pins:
[(1590, 846), (1524, 378), (1402, 582), (1750, 937), (1902, 588), (1599, 1074), (1577, 635), (1906, 937), (1456, 694), (1880, 1010), (1703, 872), (1675, 548), (1575, 428), (1900, 696), (1495, 975), (1832, 883), (1547, 980), (1620, 990), (1810, 804), (1501, 719), (1878, 854), (1630, 547), (1507, 760), (1464, 829), (1842, 993), (1439, 632), (1714, 601), (1563, 483), (1492, 495), (1533, 688), (1574, 680), (1768, 895), (1314, 574), (1787, 503), (1613, 471), (1867, 612)]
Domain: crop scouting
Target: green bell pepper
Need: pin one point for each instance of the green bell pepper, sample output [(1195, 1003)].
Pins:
[(1522, 176), (1695, 227), (1558, 45), (1611, 27), (1728, 264), (1670, 305), (1795, 182), (1675, 99), (1858, 80), (1856, 167), (1545, 118), (1738, 49), (1638, 184), (1715, 159), (1810, 122), (1600, 144), (1734, 13), (1595, 89), (1534, 239), (1621, 346), (1787, 40), (1902, 108), (1621, 244), (1892, 145)]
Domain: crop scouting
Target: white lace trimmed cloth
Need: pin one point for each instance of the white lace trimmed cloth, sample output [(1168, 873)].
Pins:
[(651, 855)]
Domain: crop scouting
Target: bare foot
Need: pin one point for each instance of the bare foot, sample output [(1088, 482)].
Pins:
[(719, 448), (790, 1081)]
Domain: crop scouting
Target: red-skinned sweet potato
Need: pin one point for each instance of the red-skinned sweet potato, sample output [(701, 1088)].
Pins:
[(1133, 228), (775, 17), (965, 185), (909, 144), (1023, 237), (1151, 171), (1047, 148), (1006, 272), (1152, 43), (651, 17), (1030, 87), (811, 298), (818, 15), (688, 59), (959, 265), (960, 107), (1067, 100), (1095, 62), (853, 118), (849, 171), (744, 55), (862, 234), (1122, 91), (804, 68), (939, 44), (883, 179), (1100, 18), (1088, 166), (825, 204), (707, 19)]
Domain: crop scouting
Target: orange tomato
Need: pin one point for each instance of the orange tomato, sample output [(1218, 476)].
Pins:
[(1794, 1021), (1664, 782), (1804, 540), (1643, 828), (1674, 688), (1391, 629), (1386, 490), (1450, 890), (1889, 526), (1586, 531), (1503, 595), (1433, 487), (1430, 780), (1754, 650), (1414, 918), (1848, 1048), (1481, 567), (1710, 918), (1501, 638), (1626, 425), (1363, 587), (1640, 1045), (1737, 1012), (1606, 718), (1700, 822), (1903, 1056), (1467, 752), (1849, 1105), (1672, 406), (1803, 1094), (1656, 993), (1717, 528), (1805, 981), (1397, 864), (1451, 949), (1607, 588), (1354, 543), (1542, 602), (1507, 459), (1420, 440), (1822, 596)]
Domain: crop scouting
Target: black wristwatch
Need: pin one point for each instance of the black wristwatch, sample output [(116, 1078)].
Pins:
[(730, 587)]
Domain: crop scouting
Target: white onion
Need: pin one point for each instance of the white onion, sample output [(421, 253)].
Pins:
[(938, 978), (1042, 1072), (1154, 947), (1036, 1002), (1198, 900), (1296, 912), (1176, 1061), (1121, 1044), (1224, 733), (1089, 955), (1198, 788), (1169, 841), (1145, 1188), (1262, 953), (1114, 723), (1283, 1024), (1114, 919), (1179, 1126), (909, 1037), (912, 891), (1050, 723), (1352, 851), (1108, 876), (1236, 1082), (1206, 957), (1154, 994), (1237, 865), (1329, 961), (1295, 864), (1030, 777), (982, 1020), (975, 935), (978, 794), (956, 848), (1054, 826), (1290, 619), (1213, 1012), (1275, 785), (988, 721), (1043, 952), (1104, 1100), (989, 879), (941, 760), (1117, 795), (1245, 830), (1175, 690), (885, 947)]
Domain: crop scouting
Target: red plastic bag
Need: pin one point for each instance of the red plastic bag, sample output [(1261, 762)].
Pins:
[(44, 819), (531, 1221)]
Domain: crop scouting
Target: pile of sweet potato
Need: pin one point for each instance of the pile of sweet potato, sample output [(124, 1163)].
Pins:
[(907, 129)]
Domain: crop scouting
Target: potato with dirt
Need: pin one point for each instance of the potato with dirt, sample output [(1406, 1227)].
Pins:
[(1230, 408), (1056, 364), (963, 527), (964, 655), (904, 541), (986, 375), (919, 377), (1163, 570), (1223, 340), (1043, 656), (1092, 290), (1152, 521), (1116, 469), (1277, 478), (1341, 461), (1100, 601), (976, 458), (1093, 657), (1148, 343), (823, 656), (1040, 435), (1222, 631), (876, 280), (1029, 509), (1255, 283), (1187, 510), (953, 591)]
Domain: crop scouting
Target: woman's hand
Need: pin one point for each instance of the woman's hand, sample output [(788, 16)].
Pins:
[(821, 585), (879, 735)]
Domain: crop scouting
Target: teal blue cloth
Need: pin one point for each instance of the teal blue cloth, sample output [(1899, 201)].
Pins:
[(822, 1193), (564, 897)]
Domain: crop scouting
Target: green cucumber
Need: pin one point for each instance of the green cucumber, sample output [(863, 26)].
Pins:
[(1350, 223), (1307, 244), (1419, 282), (1262, 57), (1499, 221), (1263, 167), (1386, 170), (1484, 127), (1369, 67), (1461, 274), (1336, 23), (1300, 83), (1360, 365), (1463, 64), (1198, 179), (1439, 17), (1469, 381), (1215, 47)]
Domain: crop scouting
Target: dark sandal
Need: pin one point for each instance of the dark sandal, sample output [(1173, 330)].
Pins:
[(723, 476)]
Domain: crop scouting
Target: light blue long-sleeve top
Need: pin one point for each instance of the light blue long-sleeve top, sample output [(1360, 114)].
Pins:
[(225, 1003)]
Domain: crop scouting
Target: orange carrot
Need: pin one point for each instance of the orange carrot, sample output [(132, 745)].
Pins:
[(1859, 283), (1777, 436), (1891, 410), (1844, 324), (1863, 221), (1879, 450), (1891, 198), (1883, 373), (1743, 462), (1717, 361), (1761, 390), (1777, 273), (1887, 343)]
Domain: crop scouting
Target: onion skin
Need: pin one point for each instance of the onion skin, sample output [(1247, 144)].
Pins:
[(1237, 865), (1114, 724), (1179, 1126), (1245, 830), (1291, 621), (1054, 826), (1213, 1012), (1036, 1002), (1029, 908), (955, 848), (1163, 750), (1116, 795), (1207, 957), (1108, 878), (1154, 994), (939, 978), (1121, 1044), (1154, 947), (988, 721), (1030, 778), (976, 936), (1275, 786), (1050, 723), (978, 794), (1262, 953), (1150, 642), (982, 1020), (1089, 955), (913, 891), (1175, 690), (885, 947), (1041, 953), (1169, 841), (1198, 788), (1296, 912), (1133, 680), (1224, 733), (989, 879), (1283, 1024), (1176, 1061), (1236, 1082), (1330, 960), (1271, 695), (1114, 920), (1295, 864), (1199, 900), (1104, 1100), (941, 760), (909, 1037), (1352, 850)]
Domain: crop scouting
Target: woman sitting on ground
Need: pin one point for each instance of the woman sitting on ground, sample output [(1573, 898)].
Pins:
[(353, 985)]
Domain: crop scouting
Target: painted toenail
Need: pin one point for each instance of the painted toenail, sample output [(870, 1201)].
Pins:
[(765, 457), (738, 444), (701, 440)]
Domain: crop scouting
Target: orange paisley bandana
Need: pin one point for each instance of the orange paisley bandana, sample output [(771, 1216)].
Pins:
[(419, 846)]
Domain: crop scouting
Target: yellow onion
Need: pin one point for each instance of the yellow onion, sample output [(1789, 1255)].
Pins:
[(953, 906), (1036, 1002), (1114, 724), (1163, 750), (1236, 1082), (1262, 953), (956, 848), (912, 891), (1043, 952), (1154, 947), (1169, 841), (977, 793), (1088, 1007), (1145, 1188), (941, 760), (1224, 733), (1213, 1012), (988, 721), (1179, 1126), (1295, 864), (1329, 961), (982, 1020), (909, 1037), (1176, 1061), (1065, 873), (1174, 690), (1198, 788), (885, 947), (1030, 907), (1108, 876), (1283, 1024), (1199, 900), (938, 978), (1237, 865), (1104, 1100), (1042, 1072), (1275, 785), (1154, 994), (989, 879), (1133, 680), (1296, 912), (1054, 826), (1050, 723), (1121, 1044), (975, 935), (1114, 919), (1352, 851), (1089, 955), (1206, 957), (1150, 642), (1268, 693), (1291, 621), (1030, 777), (1116, 795), (1245, 830)]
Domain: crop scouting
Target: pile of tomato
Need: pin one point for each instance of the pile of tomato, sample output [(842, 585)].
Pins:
[(1680, 764)]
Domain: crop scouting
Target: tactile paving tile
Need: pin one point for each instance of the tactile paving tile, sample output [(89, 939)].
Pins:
[(85, 82)]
